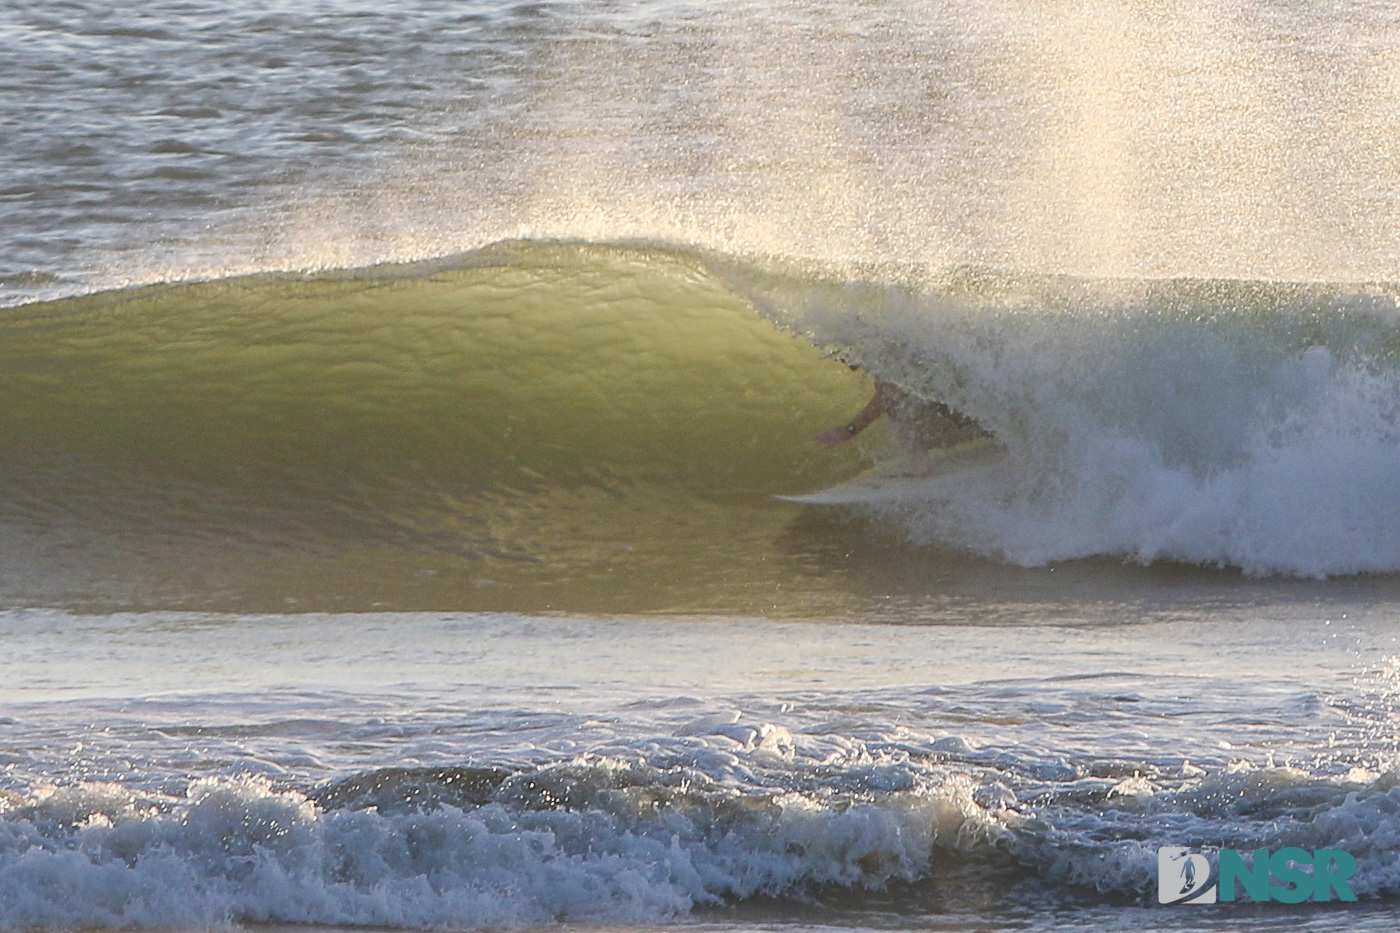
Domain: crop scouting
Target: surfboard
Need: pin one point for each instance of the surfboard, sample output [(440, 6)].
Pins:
[(909, 476)]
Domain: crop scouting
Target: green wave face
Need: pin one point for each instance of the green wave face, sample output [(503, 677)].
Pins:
[(593, 428), (571, 427)]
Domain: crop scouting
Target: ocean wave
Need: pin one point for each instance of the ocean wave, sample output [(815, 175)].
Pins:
[(724, 812), (546, 419)]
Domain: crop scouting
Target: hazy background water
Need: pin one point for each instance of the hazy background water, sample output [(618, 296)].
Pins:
[(1237, 139)]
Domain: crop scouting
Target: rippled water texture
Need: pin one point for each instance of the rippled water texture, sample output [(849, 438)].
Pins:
[(1235, 139)]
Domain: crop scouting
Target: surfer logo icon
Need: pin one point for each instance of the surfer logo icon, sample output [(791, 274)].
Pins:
[(1182, 877)]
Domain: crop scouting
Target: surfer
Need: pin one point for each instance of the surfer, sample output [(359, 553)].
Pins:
[(918, 423)]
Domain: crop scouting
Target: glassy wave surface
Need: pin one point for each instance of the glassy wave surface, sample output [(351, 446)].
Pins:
[(587, 427)]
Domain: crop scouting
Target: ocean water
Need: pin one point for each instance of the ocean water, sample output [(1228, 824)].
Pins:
[(395, 399)]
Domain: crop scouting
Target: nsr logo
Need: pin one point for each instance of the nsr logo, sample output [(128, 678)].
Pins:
[(1183, 875)]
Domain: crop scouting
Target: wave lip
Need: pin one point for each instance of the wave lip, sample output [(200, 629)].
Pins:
[(1233, 423)]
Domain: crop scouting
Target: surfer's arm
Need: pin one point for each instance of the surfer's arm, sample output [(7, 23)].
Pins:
[(844, 432)]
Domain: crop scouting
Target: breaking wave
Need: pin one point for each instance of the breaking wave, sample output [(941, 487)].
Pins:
[(725, 811), (567, 425)]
